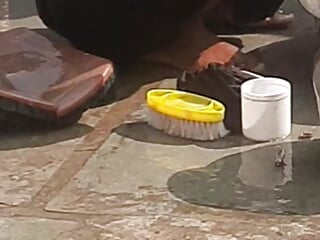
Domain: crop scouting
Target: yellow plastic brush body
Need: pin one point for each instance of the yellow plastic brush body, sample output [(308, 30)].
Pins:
[(184, 105)]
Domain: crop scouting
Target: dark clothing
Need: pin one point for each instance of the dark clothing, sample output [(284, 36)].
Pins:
[(124, 30), (120, 30), (248, 11)]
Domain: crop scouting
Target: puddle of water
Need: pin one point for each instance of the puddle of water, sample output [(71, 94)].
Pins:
[(251, 181)]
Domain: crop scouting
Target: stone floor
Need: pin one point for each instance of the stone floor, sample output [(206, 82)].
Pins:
[(113, 177)]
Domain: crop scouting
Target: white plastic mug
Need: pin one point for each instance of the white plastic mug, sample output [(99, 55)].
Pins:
[(266, 108)]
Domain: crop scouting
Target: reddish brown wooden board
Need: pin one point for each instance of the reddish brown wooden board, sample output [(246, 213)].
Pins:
[(47, 75)]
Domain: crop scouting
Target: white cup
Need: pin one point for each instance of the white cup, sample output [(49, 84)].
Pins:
[(266, 108)]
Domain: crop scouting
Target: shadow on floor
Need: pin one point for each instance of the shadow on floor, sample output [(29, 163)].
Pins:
[(22, 9), (142, 132), (250, 181), (294, 60), (291, 59), (129, 81), (126, 83), (11, 139)]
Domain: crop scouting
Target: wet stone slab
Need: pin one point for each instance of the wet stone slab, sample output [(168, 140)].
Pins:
[(127, 174), (130, 172), (135, 177), (36, 229), (30, 158), (128, 177), (252, 181), (25, 171), (206, 225)]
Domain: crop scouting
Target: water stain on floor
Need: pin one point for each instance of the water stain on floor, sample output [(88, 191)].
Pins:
[(251, 181)]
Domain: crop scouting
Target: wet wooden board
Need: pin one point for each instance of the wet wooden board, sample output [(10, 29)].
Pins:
[(45, 74)]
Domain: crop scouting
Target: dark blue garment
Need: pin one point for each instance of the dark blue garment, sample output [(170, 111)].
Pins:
[(121, 30), (124, 30), (248, 11)]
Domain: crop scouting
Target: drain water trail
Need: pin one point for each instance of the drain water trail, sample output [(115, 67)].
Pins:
[(251, 181)]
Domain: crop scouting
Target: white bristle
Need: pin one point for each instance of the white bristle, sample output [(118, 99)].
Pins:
[(186, 129)]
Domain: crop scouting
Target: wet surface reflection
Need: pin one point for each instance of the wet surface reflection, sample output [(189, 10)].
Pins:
[(251, 181)]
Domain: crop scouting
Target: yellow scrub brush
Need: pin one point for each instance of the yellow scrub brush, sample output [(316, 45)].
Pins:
[(186, 115)]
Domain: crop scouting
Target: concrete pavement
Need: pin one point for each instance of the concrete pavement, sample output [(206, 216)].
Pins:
[(109, 176)]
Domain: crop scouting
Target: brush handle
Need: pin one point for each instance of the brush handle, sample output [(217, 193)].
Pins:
[(252, 74)]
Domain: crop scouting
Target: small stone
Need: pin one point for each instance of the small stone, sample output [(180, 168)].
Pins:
[(280, 164), (280, 233), (280, 158), (260, 237), (14, 177), (275, 229), (241, 234), (105, 236), (305, 136)]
